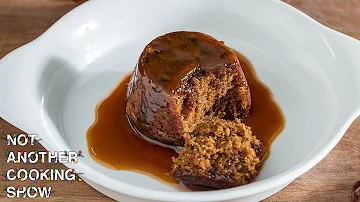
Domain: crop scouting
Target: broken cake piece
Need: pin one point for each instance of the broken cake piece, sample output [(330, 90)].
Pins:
[(219, 154), (188, 89)]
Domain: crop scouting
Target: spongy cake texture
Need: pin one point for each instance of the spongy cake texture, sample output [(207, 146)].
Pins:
[(189, 90), (177, 81), (218, 154)]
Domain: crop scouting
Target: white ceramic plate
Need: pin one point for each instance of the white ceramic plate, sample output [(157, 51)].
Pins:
[(52, 85)]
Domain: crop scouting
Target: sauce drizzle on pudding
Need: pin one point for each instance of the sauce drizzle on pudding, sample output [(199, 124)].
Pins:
[(113, 143)]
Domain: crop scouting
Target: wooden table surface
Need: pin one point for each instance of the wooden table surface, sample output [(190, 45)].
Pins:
[(331, 180)]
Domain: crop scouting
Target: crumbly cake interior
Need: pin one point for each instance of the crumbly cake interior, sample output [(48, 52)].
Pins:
[(188, 89), (229, 106), (218, 154), (177, 81), (204, 90)]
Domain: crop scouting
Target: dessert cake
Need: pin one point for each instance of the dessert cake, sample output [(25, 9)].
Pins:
[(180, 78), (188, 89)]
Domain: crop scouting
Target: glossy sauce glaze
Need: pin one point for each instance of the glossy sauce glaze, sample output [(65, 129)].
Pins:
[(113, 143), (172, 58), (171, 75)]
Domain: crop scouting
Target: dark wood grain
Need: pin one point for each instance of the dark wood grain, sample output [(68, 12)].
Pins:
[(21, 21), (341, 15)]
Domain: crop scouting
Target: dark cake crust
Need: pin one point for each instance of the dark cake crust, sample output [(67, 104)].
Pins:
[(177, 81)]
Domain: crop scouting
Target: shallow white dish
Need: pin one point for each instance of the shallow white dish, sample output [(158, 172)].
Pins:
[(52, 85)]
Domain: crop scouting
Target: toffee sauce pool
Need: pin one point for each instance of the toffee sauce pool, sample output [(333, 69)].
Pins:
[(113, 143)]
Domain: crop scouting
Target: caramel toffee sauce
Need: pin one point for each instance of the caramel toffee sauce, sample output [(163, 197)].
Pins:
[(113, 143), (177, 53), (266, 119)]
